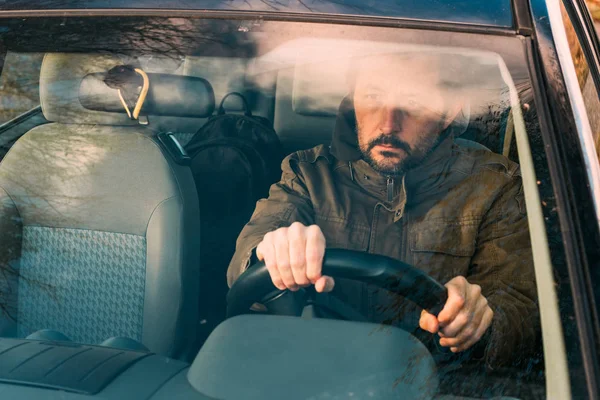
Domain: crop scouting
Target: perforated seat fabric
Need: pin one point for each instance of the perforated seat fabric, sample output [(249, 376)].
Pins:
[(101, 224)]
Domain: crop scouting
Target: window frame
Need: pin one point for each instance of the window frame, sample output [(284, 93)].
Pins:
[(535, 73), (577, 277)]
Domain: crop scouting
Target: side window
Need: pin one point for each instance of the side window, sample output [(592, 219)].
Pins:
[(594, 8), (19, 84), (591, 97)]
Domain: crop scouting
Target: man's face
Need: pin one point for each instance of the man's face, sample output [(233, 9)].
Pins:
[(401, 110)]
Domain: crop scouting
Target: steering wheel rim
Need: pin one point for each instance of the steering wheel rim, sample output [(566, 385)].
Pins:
[(385, 272)]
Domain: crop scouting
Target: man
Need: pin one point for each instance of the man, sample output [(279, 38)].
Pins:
[(395, 183)]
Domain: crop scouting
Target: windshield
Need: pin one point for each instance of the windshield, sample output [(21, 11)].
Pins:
[(148, 163)]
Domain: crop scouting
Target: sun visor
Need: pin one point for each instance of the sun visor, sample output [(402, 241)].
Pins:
[(168, 95)]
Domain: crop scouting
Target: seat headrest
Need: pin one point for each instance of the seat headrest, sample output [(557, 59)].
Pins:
[(226, 75), (73, 91), (318, 90)]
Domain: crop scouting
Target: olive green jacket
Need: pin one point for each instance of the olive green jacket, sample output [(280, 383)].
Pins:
[(461, 212)]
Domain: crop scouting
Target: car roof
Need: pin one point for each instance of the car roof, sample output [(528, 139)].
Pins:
[(495, 13)]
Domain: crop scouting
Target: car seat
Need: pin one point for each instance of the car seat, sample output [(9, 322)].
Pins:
[(99, 221)]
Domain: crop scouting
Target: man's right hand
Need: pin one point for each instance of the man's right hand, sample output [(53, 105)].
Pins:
[(294, 257)]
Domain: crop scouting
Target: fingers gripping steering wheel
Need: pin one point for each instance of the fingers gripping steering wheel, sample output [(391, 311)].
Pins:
[(255, 284)]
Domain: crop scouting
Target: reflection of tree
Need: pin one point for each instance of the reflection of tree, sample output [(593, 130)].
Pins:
[(584, 78), (157, 44), (594, 7), (429, 9), (67, 159), (9, 257), (319, 5), (366, 7), (164, 37), (19, 89)]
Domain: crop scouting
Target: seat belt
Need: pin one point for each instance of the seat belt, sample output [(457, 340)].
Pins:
[(508, 134)]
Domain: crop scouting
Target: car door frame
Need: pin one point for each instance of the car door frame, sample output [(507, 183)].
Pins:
[(572, 195), (577, 278)]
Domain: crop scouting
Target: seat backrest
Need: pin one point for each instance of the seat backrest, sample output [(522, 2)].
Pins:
[(104, 224), (309, 94), (226, 75), (304, 116)]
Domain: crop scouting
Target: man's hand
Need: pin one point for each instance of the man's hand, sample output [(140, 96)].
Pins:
[(463, 320), (294, 257)]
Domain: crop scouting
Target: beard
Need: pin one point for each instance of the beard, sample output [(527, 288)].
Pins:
[(396, 163)]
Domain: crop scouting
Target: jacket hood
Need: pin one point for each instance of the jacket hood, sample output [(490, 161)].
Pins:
[(344, 144)]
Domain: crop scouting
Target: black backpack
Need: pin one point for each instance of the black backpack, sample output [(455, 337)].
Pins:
[(234, 160)]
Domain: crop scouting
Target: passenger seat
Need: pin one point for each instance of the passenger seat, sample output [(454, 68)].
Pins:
[(98, 216)]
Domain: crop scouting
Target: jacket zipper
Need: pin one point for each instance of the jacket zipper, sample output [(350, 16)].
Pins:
[(390, 189)]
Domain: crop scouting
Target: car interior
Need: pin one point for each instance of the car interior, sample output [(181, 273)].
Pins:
[(100, 215)]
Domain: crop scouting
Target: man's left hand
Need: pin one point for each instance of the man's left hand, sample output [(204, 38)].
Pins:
[(464, 319)]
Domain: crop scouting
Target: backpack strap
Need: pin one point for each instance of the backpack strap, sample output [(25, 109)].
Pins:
[(247, 111)]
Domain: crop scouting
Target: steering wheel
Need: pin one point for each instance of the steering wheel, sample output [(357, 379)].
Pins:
[(255, 284)]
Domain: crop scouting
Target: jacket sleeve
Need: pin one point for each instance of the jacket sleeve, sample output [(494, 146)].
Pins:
[(288, 202), (503, 266)]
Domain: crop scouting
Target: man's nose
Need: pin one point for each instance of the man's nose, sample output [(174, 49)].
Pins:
[(391, 120)]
